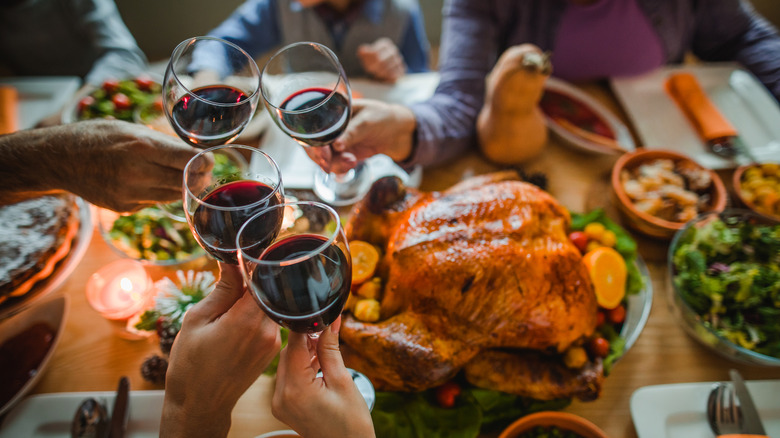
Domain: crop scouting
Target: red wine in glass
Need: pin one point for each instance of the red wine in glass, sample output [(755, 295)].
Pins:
[(216, 220), (212, 118), (308, 293), (314, 117)]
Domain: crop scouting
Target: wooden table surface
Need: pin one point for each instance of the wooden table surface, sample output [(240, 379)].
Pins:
[(91, 357)]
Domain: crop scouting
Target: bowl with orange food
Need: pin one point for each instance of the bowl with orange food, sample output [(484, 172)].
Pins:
[(658, 191), (552, 424), (757, 187)]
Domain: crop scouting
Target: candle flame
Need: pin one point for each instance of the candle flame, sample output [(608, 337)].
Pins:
[(126, 284)]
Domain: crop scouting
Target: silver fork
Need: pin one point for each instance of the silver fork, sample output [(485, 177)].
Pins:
[(723, 413)]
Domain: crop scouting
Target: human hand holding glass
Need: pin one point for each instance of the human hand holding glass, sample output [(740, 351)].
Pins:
[(306, 92), (302, 280)]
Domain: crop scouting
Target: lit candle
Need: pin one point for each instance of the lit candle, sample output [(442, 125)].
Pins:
[(120, 289)]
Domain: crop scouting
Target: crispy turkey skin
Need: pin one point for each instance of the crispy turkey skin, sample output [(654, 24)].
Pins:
[(484, 266)]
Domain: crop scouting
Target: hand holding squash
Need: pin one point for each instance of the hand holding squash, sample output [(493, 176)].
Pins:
[(510, 126)]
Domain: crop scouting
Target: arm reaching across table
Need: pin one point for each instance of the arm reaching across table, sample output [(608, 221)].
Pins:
[(112, 164)]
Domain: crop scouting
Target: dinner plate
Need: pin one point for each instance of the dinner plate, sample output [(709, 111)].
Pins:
[(62, 269), (50, 415), (741, 98), (637, 308), (621, 132), (40, 97), (679, 410), (51, 312)]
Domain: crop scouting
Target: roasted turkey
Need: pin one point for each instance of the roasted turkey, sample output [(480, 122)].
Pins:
[(480, 278)]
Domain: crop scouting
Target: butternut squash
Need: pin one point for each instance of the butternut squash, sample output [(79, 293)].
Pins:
[(511, 128)]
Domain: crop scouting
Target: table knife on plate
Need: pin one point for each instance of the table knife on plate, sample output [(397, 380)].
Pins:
[(120, 412), (751, 422)]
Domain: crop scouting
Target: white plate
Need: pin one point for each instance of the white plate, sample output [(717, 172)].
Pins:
[(53, 313), (50, 415), (738, 94), (679, 410), (622, 135), (40, 97), (61, 271)]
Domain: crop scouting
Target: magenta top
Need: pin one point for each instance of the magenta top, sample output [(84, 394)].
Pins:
[(605, 39)]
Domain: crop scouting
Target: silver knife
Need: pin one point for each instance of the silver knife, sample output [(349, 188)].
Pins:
[(751, 423), (120, 412)]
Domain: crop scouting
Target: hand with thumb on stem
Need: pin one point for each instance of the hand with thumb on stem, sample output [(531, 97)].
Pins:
[(322, 407)]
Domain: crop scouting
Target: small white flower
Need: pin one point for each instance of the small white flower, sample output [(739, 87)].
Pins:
[(173, 301)]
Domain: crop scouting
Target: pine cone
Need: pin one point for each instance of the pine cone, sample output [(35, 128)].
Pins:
[(154, 369), (167, 336)]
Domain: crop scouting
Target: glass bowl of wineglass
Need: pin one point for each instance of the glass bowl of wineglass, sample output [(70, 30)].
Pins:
[(210, 91), (306, 92), (301, 274), (216, 206)]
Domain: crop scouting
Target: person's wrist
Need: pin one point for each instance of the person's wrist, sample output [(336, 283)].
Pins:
[(406, 125), (182, 420)]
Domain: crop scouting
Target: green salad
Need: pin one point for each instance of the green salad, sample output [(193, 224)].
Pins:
[(728, 272), (118, 99), (151, 235)]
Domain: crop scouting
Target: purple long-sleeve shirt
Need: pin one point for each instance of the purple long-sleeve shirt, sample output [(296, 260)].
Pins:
[(476, 32)]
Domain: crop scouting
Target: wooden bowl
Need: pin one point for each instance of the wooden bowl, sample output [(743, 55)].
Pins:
[(739, 174), (644, 222), (561, 420)]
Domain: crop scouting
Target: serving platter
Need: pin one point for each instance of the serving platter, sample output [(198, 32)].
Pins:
[(742, 99), (40, 97), (52, 313), (50, 415), (569, 138), (679, 410), (62, 269)]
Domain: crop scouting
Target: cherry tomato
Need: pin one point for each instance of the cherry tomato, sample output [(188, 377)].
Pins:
[(85, 103), (617, 315), (144, 83), (157, 105), (447, 393), (110, 85), (121, 101), (580, 240), (601, 318), (599, 347)]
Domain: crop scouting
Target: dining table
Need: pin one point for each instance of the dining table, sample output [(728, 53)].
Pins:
[(92, 357)]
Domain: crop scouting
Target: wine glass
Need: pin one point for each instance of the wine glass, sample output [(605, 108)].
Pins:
[(303, 278), (306, 91), (216, 206), (210, 91)]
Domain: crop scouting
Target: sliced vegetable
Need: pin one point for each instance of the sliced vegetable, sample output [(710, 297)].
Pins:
[(608, 273), (364, 260)]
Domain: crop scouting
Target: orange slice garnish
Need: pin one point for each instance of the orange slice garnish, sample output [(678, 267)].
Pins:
[(608, 273), (364, 260)]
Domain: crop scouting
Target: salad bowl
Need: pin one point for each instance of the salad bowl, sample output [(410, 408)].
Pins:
[(723, 268)]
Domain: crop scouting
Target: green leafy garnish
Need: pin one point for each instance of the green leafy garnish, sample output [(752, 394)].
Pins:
[(413, 415)]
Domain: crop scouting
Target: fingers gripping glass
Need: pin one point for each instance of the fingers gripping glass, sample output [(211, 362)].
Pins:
[(306, 91), (302, 280)]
